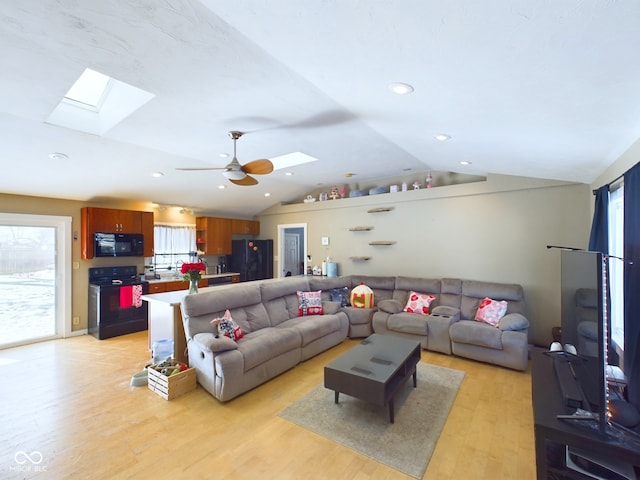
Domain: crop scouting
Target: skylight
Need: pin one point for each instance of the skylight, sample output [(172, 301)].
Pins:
[(291, 160), (90, 90), (95, 103)]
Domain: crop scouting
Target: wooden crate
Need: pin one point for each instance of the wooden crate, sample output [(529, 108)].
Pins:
[(173, 386)]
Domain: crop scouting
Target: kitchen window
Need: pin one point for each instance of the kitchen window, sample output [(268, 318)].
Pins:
[(173, 245)]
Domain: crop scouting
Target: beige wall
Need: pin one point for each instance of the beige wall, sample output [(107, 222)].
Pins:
[(496, 230)]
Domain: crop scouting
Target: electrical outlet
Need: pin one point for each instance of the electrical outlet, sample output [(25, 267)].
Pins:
[(76, 320), (76, 265)]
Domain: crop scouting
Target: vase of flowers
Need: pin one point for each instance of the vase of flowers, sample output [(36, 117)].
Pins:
[(192, 272)]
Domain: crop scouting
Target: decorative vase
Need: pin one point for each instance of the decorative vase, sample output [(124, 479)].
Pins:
[(193, 286)]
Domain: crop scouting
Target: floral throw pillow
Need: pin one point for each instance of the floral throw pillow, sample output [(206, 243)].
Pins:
[(491, 311), (310, 303), (419, 303), (340, 295), (227, 327)]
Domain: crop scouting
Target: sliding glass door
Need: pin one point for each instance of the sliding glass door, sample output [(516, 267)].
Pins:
[(34, 302)]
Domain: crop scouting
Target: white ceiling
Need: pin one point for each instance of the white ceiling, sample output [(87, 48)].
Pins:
[(540, 88)]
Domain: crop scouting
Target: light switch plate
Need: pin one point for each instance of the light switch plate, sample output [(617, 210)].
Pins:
[(325, 240)]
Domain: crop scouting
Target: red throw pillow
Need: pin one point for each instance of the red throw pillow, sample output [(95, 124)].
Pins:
[(310, 303), (491, 311), (419, 303)]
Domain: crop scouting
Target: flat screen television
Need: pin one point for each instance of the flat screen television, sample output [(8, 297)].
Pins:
[(585, 310)]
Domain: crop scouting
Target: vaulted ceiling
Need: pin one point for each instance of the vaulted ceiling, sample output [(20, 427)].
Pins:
[(539, 88)]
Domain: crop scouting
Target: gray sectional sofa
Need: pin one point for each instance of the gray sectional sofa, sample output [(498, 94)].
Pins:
[(276, 338)]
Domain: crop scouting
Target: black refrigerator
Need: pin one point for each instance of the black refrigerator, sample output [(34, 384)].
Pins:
[(252, 259)]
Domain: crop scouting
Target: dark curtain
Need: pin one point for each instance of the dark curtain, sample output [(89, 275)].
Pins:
[(632, 282), (599, 238)]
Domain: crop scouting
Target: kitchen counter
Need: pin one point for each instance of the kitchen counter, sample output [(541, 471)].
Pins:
[(179, 278), (165, 316)]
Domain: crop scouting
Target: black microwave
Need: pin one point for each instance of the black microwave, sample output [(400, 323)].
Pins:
[(119, 245)]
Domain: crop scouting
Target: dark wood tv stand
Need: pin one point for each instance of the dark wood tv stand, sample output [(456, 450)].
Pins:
[(552, 434)]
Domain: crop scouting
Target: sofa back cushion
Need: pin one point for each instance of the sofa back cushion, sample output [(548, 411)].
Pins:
[(327, 283), (430, 286), (382, 287), (473, 292), (450, 293), (280, 297), (243, 301)]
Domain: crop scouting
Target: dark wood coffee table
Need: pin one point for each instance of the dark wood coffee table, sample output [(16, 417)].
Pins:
[(374, 370)]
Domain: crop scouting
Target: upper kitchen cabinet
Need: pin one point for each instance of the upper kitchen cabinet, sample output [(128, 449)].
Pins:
[(110, 220), (146, 223), (213, 235), (245, 227)]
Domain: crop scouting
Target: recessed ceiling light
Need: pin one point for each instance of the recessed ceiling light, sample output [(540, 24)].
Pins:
[(222, 187), (443, 137), (401, 88), (58, 156), (157, 174), (288, 174), (349, 174), (223, 155), (465, 162), (267, 194)]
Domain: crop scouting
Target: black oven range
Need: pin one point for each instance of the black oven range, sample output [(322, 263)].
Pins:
[(115, 306)]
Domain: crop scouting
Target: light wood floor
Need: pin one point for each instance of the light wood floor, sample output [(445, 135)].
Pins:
[(70, 400)]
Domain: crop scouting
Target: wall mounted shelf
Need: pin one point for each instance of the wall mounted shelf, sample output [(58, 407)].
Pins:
[(360, 229), (379, 210)]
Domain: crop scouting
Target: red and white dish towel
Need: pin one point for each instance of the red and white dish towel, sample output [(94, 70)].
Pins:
[(136, 296), (131, 296)]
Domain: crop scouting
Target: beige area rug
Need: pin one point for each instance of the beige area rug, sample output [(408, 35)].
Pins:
[(407, 444)]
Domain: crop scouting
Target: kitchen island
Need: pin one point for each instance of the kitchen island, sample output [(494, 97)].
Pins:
[(165, 317)]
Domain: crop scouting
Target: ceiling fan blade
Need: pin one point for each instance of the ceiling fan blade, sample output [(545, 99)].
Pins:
[(194, 169), (258, 167), (245, 182)]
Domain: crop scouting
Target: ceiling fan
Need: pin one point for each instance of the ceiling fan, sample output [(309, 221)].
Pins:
[(237, 173)]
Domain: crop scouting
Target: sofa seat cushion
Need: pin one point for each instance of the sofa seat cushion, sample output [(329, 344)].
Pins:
[(265, 344), (414, 323), (312, 327), (476, 333)]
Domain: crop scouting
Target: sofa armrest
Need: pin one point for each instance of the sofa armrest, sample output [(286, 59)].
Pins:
[(390, 306), (330, 307), (208, 342), (513, 321)]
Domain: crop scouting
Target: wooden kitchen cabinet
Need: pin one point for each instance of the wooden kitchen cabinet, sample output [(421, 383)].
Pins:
[(111, 220), (146, 223), (245, 227), (157, 287), (213, 235), (174, 285)]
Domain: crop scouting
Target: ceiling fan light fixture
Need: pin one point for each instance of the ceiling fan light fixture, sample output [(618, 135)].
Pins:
[(234, 174)]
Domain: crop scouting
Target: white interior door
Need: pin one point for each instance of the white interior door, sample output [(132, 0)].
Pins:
[(292, 254), (292, 249)]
